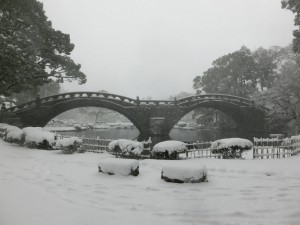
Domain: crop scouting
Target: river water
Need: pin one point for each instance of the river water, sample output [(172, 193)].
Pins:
[(175, 134)]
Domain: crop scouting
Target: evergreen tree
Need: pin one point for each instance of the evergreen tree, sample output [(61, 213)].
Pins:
[(284, 95), (32, 53), (233, 74), (294, 6)]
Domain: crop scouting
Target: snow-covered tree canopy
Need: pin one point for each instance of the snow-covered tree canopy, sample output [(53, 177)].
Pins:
[(32, 52)]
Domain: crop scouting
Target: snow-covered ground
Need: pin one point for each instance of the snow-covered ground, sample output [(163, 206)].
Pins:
[(47, 187)]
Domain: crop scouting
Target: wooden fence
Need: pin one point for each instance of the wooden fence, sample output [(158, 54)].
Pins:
[(195, 150), (199, 150), (266, 148), (92, 144)]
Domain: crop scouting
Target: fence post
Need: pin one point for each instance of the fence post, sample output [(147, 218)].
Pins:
[(254, 147)]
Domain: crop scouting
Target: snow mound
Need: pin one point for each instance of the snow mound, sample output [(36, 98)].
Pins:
[(231, 142), (184, 173), (119, 166)]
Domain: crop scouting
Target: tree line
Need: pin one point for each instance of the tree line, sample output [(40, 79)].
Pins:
[(270, 76)]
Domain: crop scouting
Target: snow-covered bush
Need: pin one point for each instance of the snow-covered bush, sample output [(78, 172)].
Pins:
[(184, 173), (119, 166), (15, 135), (126, 148), (168, 149), (5, 128), (231, 147), (69, 145), (36, 137)]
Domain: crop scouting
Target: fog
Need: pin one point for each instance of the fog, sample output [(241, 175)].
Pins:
[(156, 48)]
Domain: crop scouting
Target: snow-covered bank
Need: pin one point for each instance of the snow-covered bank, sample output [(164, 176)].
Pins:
[(60, 129), (47, 187)]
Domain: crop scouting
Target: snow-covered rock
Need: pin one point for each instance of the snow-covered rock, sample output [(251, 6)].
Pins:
[(168, 149), (119, 166), (184, 173), (127, 148)]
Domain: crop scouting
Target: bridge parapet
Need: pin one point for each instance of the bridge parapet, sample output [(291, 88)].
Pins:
[(157, 102), (221, 97), (135, 102), (74, 95), (216, 97)]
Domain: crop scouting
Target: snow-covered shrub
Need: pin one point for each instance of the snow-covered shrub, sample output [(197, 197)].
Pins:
[(6, 128), (119, 166), (69, 145), (168, 149), (184, 173), (126, 148), (15, 135), (36, 137), (231, 148)]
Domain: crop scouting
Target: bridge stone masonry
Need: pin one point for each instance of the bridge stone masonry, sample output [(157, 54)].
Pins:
[(153, 118)]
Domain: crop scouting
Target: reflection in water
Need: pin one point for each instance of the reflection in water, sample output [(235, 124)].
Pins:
[(175, 134)]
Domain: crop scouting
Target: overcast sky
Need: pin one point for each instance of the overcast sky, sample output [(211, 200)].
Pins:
[(156, 47)]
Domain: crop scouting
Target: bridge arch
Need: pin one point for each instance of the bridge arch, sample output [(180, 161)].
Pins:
[(144, 114), (79, 103), (40, 113), (244, 112)]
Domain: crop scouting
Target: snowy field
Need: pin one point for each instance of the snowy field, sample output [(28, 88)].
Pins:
[(47, 187)]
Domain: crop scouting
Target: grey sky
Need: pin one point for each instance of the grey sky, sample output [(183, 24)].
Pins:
[(156, 47)]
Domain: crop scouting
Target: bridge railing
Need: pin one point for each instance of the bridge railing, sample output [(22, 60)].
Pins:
[(214, 96), (67, 95), (136, 102), (222, 97)]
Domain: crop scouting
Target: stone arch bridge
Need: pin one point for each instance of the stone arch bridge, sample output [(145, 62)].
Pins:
[(151, 117)]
